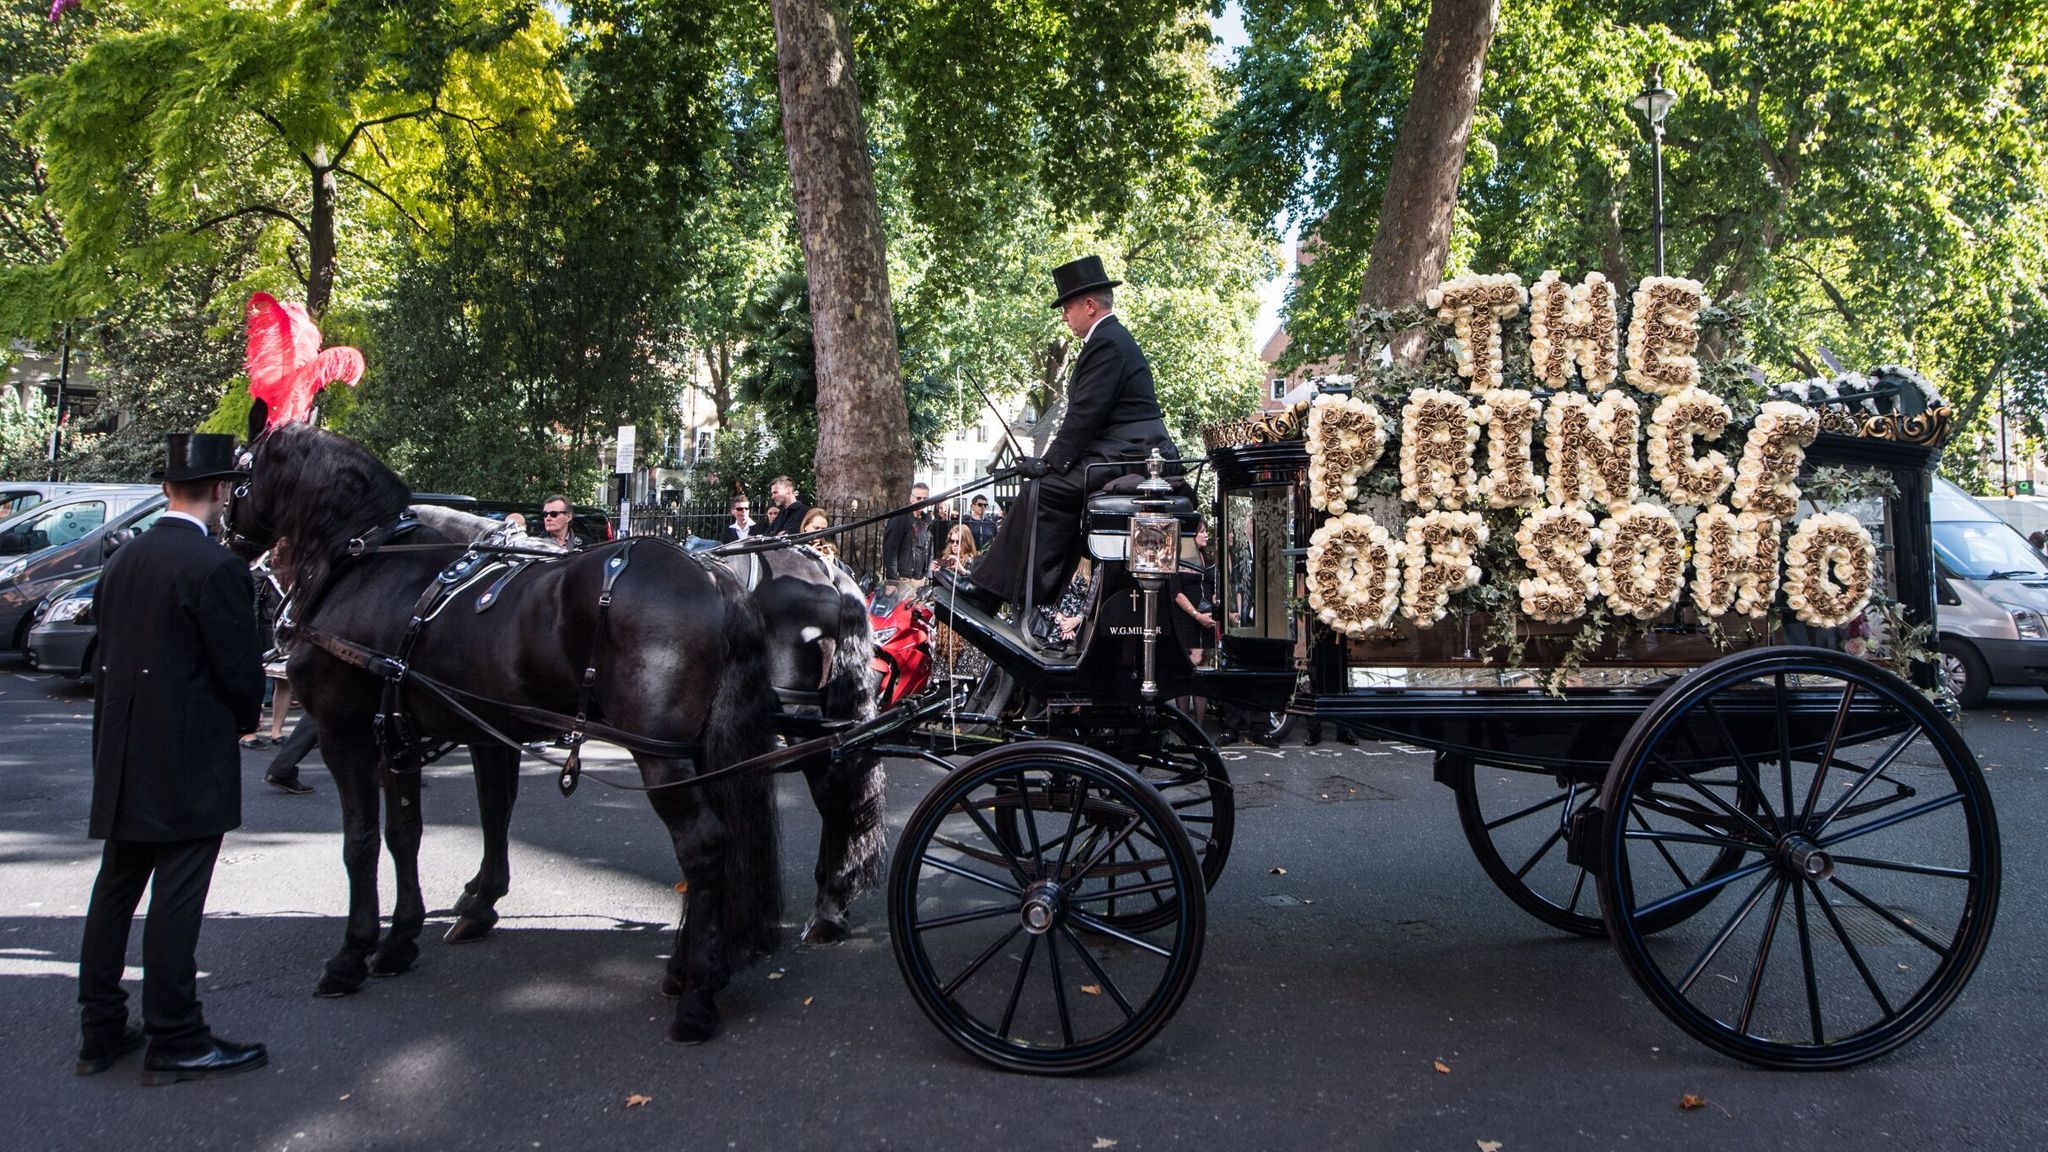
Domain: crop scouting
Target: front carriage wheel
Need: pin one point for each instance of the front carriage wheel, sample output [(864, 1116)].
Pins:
[(1866, 857), (1004, 944)]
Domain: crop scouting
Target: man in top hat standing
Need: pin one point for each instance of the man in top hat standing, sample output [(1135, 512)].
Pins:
[(179, 680), (1112, 417)]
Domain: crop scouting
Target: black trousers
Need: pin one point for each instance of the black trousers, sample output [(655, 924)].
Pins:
[(1049, 509), (182, 872), (285, 765)]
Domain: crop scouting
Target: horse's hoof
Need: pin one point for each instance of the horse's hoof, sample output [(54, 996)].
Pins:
[(332, 987), (465, 903), (692, 1028), (671, 988), (826, 933), (469, 929), (386, 966)]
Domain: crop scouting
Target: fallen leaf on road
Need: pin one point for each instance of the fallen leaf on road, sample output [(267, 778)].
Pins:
[(1688, 1102), (1103, 1142), (682, 885), (1092, 989), (1278, 872), (636, 1100), (1489, 1146), (775, 975), (346, 1095), (808, 999), (1442, 1068)]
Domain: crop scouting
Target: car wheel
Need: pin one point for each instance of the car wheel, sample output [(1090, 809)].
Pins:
[(1965, 671)]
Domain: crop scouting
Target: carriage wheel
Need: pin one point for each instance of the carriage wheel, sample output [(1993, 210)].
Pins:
[(1868, 870), (1519, 823), (1007, 949)]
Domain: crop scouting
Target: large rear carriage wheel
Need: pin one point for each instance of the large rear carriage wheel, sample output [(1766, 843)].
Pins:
[(997, 908), (1865, 858)]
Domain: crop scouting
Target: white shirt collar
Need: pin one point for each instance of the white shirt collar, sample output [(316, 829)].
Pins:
[(1097, 324), (188, 518)]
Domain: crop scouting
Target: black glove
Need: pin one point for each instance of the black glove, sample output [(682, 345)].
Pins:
[(1031, 467)]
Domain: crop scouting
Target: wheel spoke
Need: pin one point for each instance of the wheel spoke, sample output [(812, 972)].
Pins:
[(1067, 840), (1133, 890), (1763, 957), (1573, 906), (1660, 838), (1891, 917), (1913, 813), (1916, 869), (1106, 850), (1094, 925), (1827, 755), (980, 821), (1711, 884), (1745, 772), (1531, 810), (974, 965), (1764, 834), (964, 918), (1017, 989), (1059, 989), (1784, 740), (1869, 775), (1647, 833), (1727, 930), (1549, 842), (1031, 818), (965, 874), (1806, 963), (1855, 955), (1101, 976)]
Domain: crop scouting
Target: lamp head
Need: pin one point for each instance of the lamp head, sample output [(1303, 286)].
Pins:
[(1654, 100)]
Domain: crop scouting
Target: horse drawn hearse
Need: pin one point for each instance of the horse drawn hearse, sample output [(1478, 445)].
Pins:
[(1705, 726)]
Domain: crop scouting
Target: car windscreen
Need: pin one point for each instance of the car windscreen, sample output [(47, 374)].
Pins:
[(61, 524), (1985, 550)]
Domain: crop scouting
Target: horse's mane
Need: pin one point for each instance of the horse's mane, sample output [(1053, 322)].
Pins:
[(320, 490)]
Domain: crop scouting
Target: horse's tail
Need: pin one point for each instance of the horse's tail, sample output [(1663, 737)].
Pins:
[(850, 677), (849, 694), (742, 726)]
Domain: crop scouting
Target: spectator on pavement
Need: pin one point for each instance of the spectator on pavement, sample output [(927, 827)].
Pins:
[(980, 521), (782, 495), (907, 545), (557, 526), (742, 526)]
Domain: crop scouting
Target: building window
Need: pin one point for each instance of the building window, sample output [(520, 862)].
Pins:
[(1279, 387), (981, 433)]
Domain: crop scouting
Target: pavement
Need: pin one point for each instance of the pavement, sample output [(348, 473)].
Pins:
[(1332, 995)]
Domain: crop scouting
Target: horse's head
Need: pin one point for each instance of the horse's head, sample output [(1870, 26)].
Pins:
[(314, 488)]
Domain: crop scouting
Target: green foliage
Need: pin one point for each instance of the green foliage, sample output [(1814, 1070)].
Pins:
[(1868, 177)]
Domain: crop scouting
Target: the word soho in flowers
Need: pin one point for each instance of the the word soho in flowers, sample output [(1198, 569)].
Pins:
[(1585, 529)]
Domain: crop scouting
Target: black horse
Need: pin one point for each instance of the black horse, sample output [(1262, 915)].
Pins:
[(681, 660)]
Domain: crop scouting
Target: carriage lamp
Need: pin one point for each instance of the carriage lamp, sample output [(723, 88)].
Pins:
[(1155, 546)]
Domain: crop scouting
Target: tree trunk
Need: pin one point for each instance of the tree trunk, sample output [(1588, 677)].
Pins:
[(864, 452), (1414, 236), (320, 264)]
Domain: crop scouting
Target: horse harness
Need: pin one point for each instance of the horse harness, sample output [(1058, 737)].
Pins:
[(404, 752)]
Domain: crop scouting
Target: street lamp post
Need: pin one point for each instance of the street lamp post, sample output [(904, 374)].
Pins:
[(1653, 102), (63, 378)]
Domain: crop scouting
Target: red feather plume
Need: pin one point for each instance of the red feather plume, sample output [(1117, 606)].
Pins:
[(286, 365)]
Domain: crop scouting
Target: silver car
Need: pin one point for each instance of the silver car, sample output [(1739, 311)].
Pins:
[(1991, 597)]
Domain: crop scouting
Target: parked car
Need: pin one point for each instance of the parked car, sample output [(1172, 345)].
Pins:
[(27, 581), (1991, 599), (61, 517), (62, 639), (18, 496)]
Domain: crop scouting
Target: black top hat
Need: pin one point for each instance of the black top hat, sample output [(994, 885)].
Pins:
[(1075, 277), (198, 456)]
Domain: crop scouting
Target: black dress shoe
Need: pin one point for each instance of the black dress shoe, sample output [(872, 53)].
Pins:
[(96, 1057), (292, 786), (1227, 737), (953, 585), (218, 1058)]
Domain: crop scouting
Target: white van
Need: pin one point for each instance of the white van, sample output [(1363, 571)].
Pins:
[(1991, 597)]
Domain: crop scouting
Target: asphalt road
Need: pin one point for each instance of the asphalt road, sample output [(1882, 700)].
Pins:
[(1326, 999)]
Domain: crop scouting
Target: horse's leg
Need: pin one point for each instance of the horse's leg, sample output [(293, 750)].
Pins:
[(848, 794), (698, 967), (352, 761), (497, 788), (402, 826)]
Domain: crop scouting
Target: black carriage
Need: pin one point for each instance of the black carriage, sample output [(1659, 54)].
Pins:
[(1789, 844)]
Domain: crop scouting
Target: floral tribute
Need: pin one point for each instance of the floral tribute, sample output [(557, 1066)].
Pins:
[(1346, 437), (1474, 306), (1619, 473), (1355, 574)]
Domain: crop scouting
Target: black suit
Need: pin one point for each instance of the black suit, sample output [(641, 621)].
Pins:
[(1112, 417), (179, 679)]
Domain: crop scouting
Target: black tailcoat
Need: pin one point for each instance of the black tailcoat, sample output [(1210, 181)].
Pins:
[(179, 680), (1112, 417)]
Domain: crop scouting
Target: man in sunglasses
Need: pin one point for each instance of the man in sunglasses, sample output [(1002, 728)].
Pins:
[(555, 524), (743, 524)]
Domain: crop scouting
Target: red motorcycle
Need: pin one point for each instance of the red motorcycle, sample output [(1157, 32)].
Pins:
[(903, 646)]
